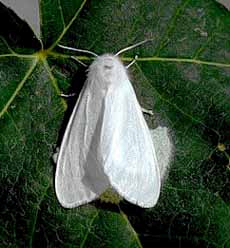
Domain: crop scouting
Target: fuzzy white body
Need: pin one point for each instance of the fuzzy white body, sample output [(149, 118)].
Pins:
[(107, 142)]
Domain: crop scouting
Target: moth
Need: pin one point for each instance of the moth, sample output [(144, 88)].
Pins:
[(107, 143)]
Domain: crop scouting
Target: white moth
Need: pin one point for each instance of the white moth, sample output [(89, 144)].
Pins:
[(107, 142)]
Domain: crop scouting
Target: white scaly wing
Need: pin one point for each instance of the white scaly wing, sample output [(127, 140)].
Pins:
[(129, 156), (79, 176), (164, 149)]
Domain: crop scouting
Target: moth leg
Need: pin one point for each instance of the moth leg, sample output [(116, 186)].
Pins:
[(147, 111), (79, 61), (55, 155), (132, 62), (67, 95)]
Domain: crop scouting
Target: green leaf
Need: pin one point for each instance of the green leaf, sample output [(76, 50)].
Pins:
[(225, 3), (183, 75), (27, 10)]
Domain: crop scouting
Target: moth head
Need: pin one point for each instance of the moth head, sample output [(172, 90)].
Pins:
[(108, 68)]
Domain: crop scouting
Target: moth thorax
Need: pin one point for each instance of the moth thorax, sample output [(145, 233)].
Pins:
[(109, 69)]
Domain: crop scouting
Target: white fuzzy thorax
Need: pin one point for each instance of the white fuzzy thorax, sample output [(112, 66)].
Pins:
[(107, 71)]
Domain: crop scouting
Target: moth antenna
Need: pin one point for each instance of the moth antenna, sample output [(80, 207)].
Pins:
[(131, 63), (78, 50), (132, 46), (147, 111), (79, 61)]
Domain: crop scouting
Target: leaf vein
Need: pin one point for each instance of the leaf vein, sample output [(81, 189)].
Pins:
[(36, 216), (171, 26), (89, 229), (61, 12), (131, 229), (19, 87), (201, 49), (175, 105), (152, 59), (69, 25), (54, 82), (13, 53), (178, 60)]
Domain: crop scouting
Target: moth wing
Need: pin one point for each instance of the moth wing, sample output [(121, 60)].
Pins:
[(130, 160), (164, 149), (79, 176)]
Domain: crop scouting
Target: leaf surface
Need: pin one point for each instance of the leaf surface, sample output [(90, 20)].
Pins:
[(183, 75)]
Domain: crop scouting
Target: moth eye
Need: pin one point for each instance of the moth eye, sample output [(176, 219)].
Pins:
[(108, 67)]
